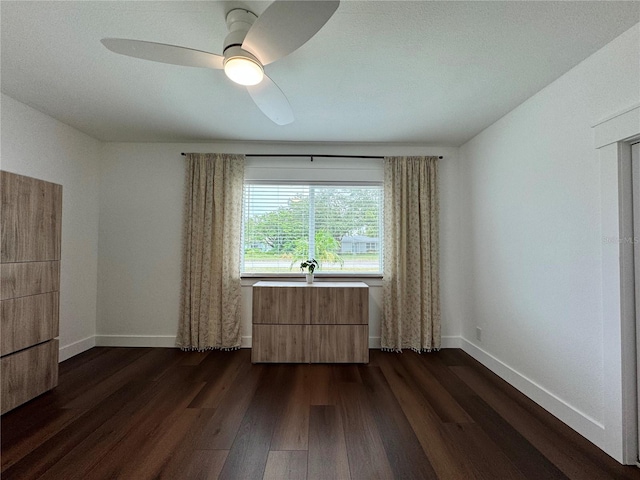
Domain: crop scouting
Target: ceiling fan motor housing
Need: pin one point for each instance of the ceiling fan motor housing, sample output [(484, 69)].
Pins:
[(240, 65), (239, 22)]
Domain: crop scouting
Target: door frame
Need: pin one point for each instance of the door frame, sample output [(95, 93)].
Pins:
[(628, 343), (613, 138), (635, 206)]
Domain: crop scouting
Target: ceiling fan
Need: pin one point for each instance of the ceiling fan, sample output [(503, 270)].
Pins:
[(252, 43)]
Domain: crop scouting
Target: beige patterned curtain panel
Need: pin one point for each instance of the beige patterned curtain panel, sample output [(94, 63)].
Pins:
[(210, 301), (411, 290)]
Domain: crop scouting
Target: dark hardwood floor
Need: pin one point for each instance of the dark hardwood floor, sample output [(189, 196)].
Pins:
[(138, 413)]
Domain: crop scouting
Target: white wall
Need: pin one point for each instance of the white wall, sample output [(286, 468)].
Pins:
[(532, 238), (141, 202), (36, 145)]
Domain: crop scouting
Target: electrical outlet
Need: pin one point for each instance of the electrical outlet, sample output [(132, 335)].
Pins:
[(478, 333)]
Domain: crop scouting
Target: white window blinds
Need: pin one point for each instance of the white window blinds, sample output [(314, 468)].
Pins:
[(338, 224)]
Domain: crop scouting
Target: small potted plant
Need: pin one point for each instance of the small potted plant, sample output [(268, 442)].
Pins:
[(310, 266)]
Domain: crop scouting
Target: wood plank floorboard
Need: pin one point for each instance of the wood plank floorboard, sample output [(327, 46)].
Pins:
[(222, 376), (365, 449), (292, 429), (42, 458), (248, 455), (404, 454), (18, 439), (220, 431), (202, 465), (448, 461), (439, 398), (486, 459), (319, 381), (147, 413), (327, 454), (286, 465)]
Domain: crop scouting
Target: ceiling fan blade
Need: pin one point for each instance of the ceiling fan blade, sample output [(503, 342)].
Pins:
[(270, 99), (285, 26), (160, 52)]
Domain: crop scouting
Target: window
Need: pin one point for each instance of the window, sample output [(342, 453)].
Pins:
[(339, 225)]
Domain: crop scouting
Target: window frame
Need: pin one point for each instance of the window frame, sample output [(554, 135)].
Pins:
[(317, 273)]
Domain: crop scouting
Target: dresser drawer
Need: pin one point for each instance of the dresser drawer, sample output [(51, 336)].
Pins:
[(29, 278), (26, 321), (339, 343), (31, 219), (286, 305), (340, 305), (280, 343), (28, 373)]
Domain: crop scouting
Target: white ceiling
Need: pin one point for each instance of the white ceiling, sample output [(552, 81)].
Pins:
[(379, 71)]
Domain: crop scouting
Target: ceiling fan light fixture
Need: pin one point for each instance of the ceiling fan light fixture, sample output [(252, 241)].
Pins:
[(243, 70)]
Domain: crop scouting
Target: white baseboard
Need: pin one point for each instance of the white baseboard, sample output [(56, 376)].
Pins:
[(446, 342), (574, 418), (165, 341), (170, 341), (136, 340), (451, 342), (75, 348)]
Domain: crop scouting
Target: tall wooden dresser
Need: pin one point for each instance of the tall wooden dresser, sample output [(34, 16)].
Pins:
[(30, 236), (322, 322)]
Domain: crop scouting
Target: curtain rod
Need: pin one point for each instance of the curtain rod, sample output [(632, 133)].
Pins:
[(312, 156)]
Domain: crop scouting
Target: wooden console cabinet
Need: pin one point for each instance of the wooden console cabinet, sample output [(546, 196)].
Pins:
[(322, 322), (30, 233)]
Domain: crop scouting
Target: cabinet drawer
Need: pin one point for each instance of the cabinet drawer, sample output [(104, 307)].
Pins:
[(339, 343), (30, 278), (340, 306), (28, 373), (280, 343), (31, 219), (26, 321), (283, 305)]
